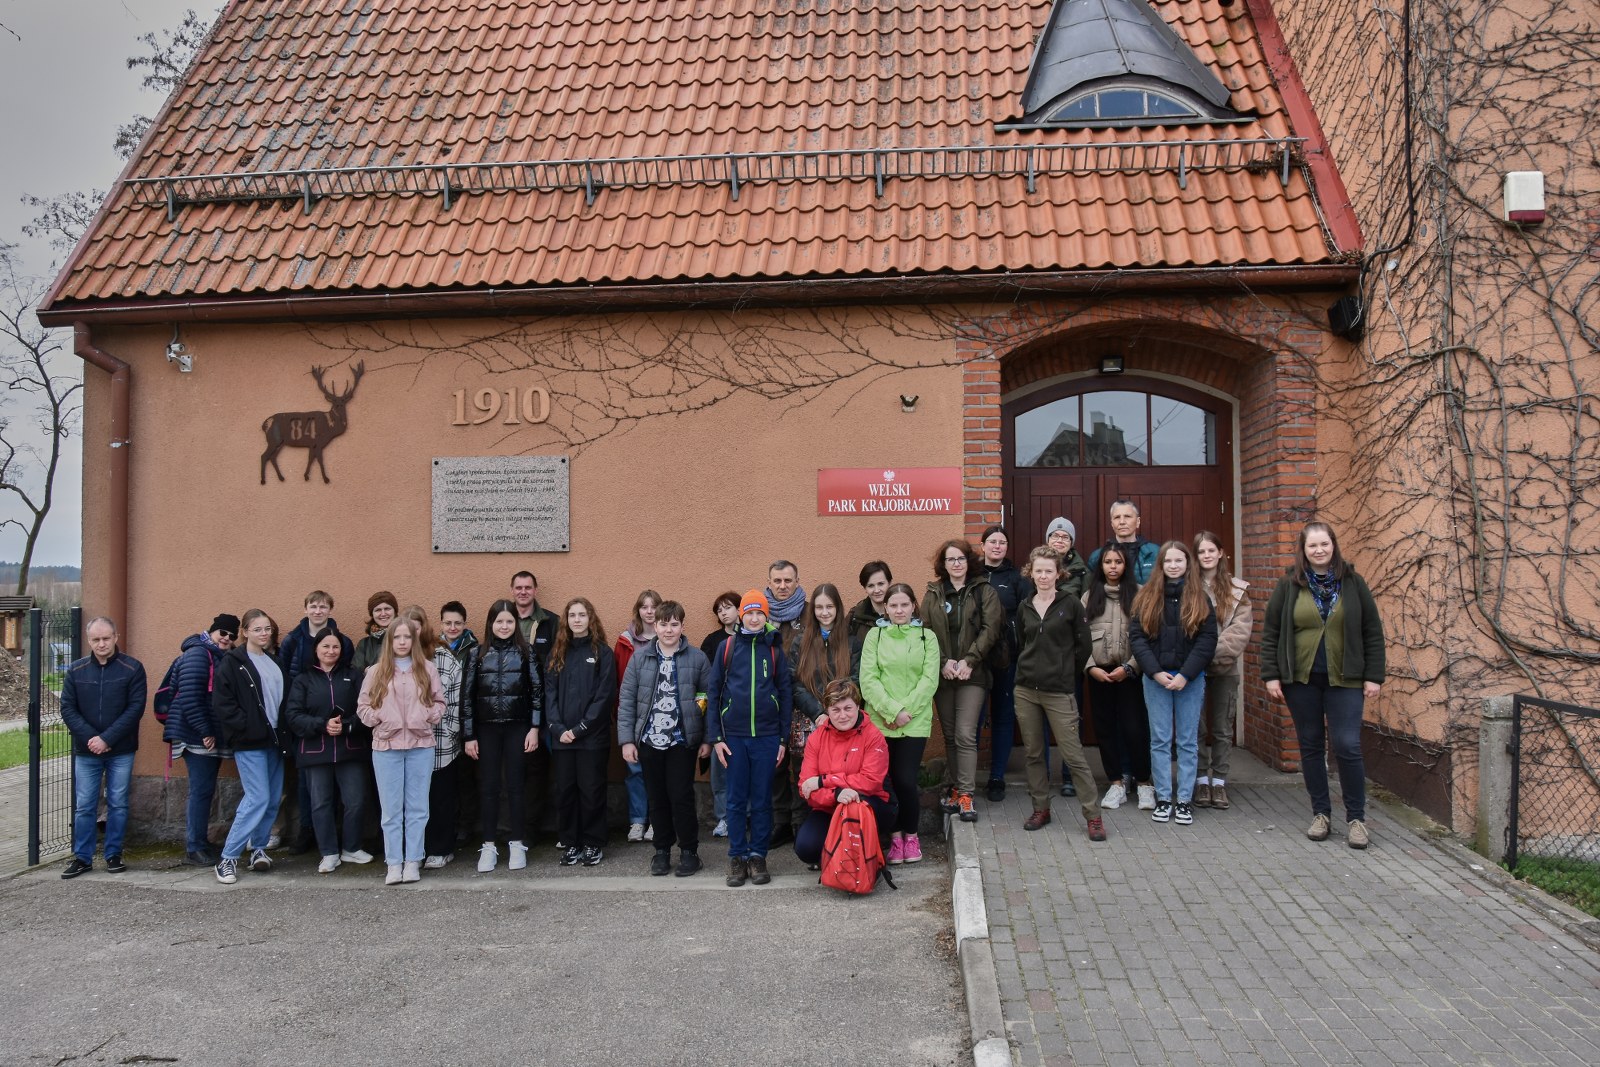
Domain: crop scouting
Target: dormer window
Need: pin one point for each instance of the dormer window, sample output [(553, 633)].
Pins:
[(1117, 63)]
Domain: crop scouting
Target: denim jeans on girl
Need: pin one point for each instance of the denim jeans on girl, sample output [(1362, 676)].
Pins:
[(638, 796), (202, 788), (403, 777), (87, 772), (1174, 714), (751, 763), (261, 775)]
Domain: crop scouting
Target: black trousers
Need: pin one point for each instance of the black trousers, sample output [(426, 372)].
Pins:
[(444, 809), (669, 785), (813, 833), (346, 781), (1122, 727), (905, 763), (500, 762), (580, 783)]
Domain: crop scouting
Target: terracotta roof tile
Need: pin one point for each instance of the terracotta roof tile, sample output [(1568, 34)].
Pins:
[(319, 84)]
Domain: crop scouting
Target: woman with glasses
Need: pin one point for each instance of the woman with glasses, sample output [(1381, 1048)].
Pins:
[(962, 610)]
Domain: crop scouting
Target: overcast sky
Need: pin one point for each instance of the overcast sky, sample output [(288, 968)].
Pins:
[(67, 88)]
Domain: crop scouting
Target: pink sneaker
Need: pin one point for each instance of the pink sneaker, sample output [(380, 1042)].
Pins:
[(913, 850), (897, 850)]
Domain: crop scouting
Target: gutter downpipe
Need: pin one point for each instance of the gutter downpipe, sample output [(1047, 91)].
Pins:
[(116, 488)]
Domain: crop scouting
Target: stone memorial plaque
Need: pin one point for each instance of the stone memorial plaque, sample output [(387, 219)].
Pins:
[(500, 504)]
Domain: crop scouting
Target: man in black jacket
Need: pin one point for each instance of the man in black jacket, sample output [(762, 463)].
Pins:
[(102, 698)]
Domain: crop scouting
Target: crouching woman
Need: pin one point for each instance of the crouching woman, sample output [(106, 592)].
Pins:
[(846, 759)]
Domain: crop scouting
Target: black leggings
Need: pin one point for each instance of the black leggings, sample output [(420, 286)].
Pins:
[(500, 760), (905, 764), (813, 833), (1122, 727)]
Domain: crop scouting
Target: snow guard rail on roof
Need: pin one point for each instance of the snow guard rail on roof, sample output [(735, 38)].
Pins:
[(733, 169)]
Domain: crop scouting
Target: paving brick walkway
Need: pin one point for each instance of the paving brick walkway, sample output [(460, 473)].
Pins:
[(1238, 941)]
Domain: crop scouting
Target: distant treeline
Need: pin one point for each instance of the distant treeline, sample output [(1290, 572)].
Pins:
[(8, 574)]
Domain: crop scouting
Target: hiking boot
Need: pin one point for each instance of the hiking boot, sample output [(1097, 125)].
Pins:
[(636, 831), (758, 871), (227, 871), (260, 861), (738, 871), (434, 863), (355, 855), (964, 808), (1183, 815), (1097, 829), (913, 846), (1147, 797), (1219, 797), (1318, 830), (948, 804), (1202, 795), (488, 856), (897, 850), (997, 790), (75, 868), (661, 863), (1162, 812), (411, 871), (1038, 820), (1115, 796), (688, 863), (721, 829), (1355, 834), (395, 873), (517, 855), (115, 865), (591, 857), (570, 857), (328, 865)]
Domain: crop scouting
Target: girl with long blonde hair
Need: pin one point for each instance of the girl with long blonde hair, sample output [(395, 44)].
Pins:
[(402, 699)]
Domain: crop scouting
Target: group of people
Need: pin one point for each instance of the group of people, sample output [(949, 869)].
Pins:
[(793, 702)]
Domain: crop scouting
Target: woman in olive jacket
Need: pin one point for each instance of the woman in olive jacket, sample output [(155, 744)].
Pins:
[(1230, 597), (1322, 653), (964, 612)]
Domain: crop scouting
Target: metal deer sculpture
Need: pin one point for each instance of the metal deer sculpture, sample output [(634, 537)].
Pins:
[(310, 430)]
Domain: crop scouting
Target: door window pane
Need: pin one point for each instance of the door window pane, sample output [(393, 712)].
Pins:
[(1181, 434), (1048, 436), (1114, 432)]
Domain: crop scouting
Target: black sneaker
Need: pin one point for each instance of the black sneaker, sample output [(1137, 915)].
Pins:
[(738, 871), (115, 865), (76, 867), (1163, 812), (758, 871), (1184, 815), (1067, 788), (198, 859), (661, 863), (571, 856), (592, 857), (688, 863), (997, 790)]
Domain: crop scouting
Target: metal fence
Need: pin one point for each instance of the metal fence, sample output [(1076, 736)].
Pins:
[(54, 640), (1555, 783)]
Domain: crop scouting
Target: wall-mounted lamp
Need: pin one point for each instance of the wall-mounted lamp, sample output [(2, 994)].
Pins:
[(1111, 365), (179, 354), (908, 403)]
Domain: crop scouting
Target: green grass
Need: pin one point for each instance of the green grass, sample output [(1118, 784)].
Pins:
[(1574, 881), (14, 745)]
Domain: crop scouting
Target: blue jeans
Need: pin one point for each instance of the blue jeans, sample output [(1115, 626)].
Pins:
[(403, 777), (719, 789), (751, 764), (261, 775), (1322, 714), (1002, 723), (1174, 714), (202, 788), (638, 797), (87, 774)]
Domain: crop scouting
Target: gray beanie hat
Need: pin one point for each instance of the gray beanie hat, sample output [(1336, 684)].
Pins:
[(1061, 524)]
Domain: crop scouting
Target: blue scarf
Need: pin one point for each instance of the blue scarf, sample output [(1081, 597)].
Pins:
[(788, 609), (1324, 590)]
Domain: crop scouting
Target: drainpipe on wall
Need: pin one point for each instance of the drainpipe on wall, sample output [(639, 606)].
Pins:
[(116, 487)]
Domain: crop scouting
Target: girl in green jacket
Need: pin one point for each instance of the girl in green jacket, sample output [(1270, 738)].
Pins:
[(899, 673)]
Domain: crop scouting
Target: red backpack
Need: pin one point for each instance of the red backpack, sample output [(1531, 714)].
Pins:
[(852, 858)]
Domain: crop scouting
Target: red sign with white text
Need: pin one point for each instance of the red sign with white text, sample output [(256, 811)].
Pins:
[(889, 491)]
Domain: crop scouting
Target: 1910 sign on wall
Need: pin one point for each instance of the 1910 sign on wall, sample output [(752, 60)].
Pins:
[(311, 430)]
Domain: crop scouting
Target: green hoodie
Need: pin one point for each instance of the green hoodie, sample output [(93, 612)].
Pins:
[(900, 669)]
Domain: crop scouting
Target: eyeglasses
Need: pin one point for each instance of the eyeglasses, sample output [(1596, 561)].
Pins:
[(954, 559), (259, 630)]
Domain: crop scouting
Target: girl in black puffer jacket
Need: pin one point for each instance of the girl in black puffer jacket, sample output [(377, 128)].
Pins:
[(1174, 635), (502, 704), (579, 692)]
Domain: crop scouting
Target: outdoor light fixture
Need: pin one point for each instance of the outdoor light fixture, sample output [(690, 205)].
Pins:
[(177, 353), (1111, 365), (908, 403)]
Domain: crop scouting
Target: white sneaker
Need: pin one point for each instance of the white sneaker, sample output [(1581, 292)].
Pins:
[(434, 863), (409, 872), (488, 856), (721, 829), (1114, 796), (519, 856), (274, 840), (356, 855), (636, 831), (649, 833), (328, 865), (1147, 798), (393, 877)]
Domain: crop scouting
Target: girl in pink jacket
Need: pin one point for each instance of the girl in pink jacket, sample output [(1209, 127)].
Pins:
[(401, 699)]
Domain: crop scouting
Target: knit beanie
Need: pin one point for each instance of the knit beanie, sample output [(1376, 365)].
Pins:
[(1061, 524), (754, 598)]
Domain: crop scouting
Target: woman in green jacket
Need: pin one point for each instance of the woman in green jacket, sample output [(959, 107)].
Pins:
[(899, 674), (1322, 653)]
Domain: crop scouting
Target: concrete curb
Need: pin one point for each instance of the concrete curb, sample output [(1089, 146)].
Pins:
[(990, 1048)]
